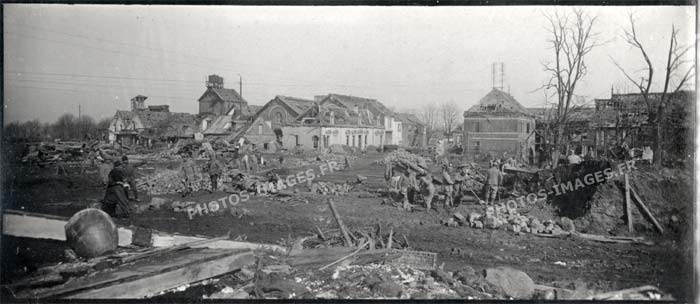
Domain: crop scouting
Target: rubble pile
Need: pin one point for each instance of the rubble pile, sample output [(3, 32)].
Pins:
[(497, 217), (401, 156), (171, 181), (327, 188), (373, 236)]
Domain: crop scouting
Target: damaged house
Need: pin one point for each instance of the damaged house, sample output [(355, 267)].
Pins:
[(413, 131), (339, 120), (628, 118), (144, 124), (222, 111), (331, 119), (270, 121), (499, 124)]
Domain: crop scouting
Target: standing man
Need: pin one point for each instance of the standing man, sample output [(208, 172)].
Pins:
[(448, 185), (188, 173), (493, 180), (461, 181), (215, 169), (428, 190), (116, 203), (130, 177)]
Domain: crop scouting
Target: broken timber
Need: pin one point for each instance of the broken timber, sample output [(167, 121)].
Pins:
[(150, 276), (645, 211), (44, 226), (343, 230), (628, 204)]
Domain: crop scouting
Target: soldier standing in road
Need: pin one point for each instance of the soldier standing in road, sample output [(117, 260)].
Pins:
[(188, 173), (493, 180), (215, 169)]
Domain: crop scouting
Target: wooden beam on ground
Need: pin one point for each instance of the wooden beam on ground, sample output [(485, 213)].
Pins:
[(148, 277), (343, 230), (319, 257), (619, 295), (628, 204), (44, 226), (645, 211)]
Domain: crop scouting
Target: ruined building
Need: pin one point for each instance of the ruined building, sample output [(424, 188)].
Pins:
[(498, 124)]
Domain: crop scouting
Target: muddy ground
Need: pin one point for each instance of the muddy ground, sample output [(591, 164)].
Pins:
[(600, 266)]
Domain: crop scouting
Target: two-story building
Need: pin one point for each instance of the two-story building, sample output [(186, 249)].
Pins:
[(222, 111), (498, 124)]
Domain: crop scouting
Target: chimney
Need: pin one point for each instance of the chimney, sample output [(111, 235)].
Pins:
[(215, 81), (138, 103)]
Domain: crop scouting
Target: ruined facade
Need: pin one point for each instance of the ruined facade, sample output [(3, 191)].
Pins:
[(498, 124), (142, 124), (222, 111)]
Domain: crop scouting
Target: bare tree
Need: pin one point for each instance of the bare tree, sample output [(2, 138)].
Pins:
[(449, 117), (572, 39), (675, 63), (429, 116)]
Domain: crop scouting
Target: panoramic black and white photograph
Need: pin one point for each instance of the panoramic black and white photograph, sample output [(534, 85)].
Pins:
[(182, 153)]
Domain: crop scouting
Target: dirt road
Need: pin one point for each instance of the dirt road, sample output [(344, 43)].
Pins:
[(556, 262)]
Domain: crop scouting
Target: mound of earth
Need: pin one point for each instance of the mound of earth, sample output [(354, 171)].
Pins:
[(666, 192)]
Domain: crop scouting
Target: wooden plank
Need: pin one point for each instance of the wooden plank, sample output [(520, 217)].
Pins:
[(317, 257), (43, 226), (619, 295), (346, 236), (160, 239), (151, 285), (645, 211), (628, 204), (141, 270)]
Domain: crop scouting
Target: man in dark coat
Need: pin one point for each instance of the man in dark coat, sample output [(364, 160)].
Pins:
[(215, 169), (116, 203), (130, 177)]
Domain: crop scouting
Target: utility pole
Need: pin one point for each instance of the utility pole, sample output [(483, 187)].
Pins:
[(80, 124), (240, 85), (493, 75), (502, 75)]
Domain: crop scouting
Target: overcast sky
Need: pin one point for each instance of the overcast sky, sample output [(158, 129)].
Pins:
[(59, 56)]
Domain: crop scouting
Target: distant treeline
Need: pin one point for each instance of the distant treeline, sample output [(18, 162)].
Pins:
[(67, 127)]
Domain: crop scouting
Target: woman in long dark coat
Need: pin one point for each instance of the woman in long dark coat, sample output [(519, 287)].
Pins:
[(116, 203)]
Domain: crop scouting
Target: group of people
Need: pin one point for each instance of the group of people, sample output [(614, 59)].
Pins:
[(407, 185), (215, 168)]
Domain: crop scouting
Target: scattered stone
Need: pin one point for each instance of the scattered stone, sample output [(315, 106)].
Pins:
[(329, 294), (478, 225), (383, 286), (492, 223), (490, 211), (441, 276), (280, 287), (514, 228), (473, 217), (467, 275), (229, 293), (567, 224), (157, 202), (460, 218), (511, 282)]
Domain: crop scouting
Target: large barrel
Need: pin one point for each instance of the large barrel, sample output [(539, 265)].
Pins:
[(91, 233)]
